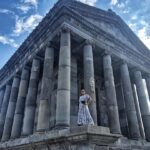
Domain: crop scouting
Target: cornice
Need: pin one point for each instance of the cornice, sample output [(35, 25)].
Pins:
[(97, 32)]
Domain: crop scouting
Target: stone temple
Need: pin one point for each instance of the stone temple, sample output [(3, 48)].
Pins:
[(76, 46)]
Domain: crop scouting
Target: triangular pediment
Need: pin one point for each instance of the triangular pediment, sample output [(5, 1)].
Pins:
[(109, 22)]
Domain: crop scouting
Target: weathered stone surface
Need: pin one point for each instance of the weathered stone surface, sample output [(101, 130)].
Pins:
[(144, 103), (46, 90), (129, 103), (20, 105), (67, 138), (111, 95), (138, 112), (52, 115), (147, 79), (74, 93), (28, 123), (64, 78), (11, 109), (103, 120), (4, 108), (2, 91), (122, 112), (89, 80)]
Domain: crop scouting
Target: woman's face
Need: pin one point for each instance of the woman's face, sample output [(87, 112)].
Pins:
[(82, 92)]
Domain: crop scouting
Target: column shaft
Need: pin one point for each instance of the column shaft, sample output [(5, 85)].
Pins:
[(89, 80), (147, 79), (11, 109), (138, 112), (19, 112), (111, 95), (74, 92), (1, 97), (46, 90), (144, 103), (64, 77), (4, 108), (28, 123), (129, 103)]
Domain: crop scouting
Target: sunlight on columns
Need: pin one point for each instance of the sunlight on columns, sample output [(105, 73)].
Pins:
[(146, 92)]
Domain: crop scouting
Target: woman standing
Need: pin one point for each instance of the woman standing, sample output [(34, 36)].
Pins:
[(84, 116)]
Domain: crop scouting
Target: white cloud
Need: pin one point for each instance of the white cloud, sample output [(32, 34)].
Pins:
[(134, 17), (5, 40), (126, 11), (24, 8), (121, 5), (6, 11), (32, 2), (26, 5), (23, 25), (133, 26), (113, 2), (89, 2), (142, 33)]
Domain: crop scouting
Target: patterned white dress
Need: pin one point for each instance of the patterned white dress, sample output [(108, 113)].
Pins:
[(84, 116)]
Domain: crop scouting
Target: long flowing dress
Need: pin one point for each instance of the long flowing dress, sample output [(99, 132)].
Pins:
[(84, 116)]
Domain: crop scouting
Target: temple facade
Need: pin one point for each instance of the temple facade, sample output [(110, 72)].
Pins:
[(76, 46)]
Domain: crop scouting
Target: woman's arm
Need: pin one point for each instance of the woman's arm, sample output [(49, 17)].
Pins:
[(89, 99)]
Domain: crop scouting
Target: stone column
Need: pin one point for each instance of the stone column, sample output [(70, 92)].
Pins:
[(144, 103), (11, 109), (28, 123), (147, 79), (111, 95), (129, 103), (74, 92), (2, 91), (64, 77), (46, 89), (89, 80), (19, 112), (138, 112), (4, 108)]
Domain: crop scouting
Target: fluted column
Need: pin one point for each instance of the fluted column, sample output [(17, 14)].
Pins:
[(138, 112), (46, 89), (28, 123), (64, 77), (113, 115), (19, 112), (11, 109), (4, 108), (89, 80), (147, 79), (129, 102), (2, 91), (144, 103)]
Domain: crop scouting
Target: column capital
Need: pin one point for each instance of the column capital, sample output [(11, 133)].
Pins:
[(123, 62), (27, 68), (65, 28), (49, 44), (38, 58), (146, 75), (89, 42), (106, 52), (17, 76)]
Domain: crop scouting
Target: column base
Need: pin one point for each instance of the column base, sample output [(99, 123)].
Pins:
[(61, 126)]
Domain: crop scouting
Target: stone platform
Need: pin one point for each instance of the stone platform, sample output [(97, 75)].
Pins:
[(74, 138)]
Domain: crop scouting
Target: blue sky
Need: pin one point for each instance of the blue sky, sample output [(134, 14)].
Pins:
[(19, 17)]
